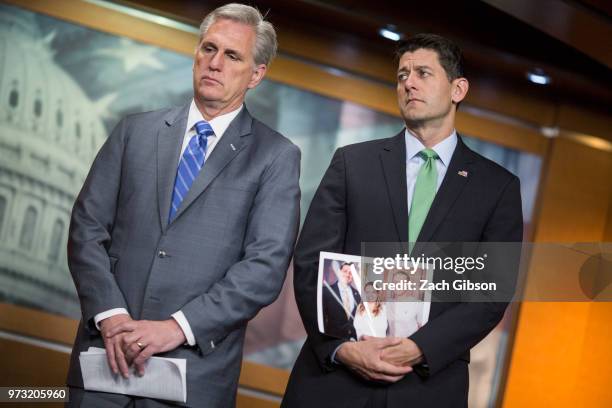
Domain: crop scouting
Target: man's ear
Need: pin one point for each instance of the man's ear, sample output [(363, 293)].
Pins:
[(459, 89), (258, 74), (195, 54)]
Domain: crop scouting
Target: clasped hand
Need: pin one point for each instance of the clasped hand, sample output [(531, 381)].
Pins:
[(380, 359), (130, 341)]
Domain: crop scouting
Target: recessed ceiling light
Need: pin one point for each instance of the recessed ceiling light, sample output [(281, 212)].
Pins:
[(537, 76), (550, 131), (390, 32)]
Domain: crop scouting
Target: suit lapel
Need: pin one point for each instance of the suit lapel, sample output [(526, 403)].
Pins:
[(336, 289), (169, 143), (230, 145), (393, 160), (449, 190)]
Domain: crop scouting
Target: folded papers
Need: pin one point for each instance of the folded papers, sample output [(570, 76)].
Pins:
[(164, 378)]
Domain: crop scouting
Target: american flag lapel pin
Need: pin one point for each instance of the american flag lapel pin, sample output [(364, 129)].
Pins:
[(462, 173)]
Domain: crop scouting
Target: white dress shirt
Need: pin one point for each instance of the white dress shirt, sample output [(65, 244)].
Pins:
[(219, 125), (404, 317)]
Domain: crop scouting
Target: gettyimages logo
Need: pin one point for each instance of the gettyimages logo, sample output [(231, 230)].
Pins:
[(500, 271)]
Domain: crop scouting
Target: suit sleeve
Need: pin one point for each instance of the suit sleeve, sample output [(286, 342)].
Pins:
[(89, 236), (454, 332), (257, 279), (324, 230)]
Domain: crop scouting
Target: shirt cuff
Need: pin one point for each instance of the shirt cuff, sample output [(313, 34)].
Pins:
[(333, 355), (184, 324), (105, 315), (332, 358)]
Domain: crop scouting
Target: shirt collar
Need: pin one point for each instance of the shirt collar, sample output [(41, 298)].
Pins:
[(218, 124), (444, 149)]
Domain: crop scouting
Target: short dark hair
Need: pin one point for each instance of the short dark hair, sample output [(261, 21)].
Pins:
[(449, 53), (345, 264)]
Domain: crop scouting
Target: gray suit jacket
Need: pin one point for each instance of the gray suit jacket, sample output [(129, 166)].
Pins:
[(222, 258)]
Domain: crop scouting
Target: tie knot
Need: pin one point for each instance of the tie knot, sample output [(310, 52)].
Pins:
[(427, 154), (203, 128)]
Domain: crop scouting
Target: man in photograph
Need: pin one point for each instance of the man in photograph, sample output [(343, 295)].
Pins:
[(422, 185), (186, 223), (340, 301), (404, 307)]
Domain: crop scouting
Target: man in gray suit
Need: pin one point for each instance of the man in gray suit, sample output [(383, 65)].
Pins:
[(186, 223)]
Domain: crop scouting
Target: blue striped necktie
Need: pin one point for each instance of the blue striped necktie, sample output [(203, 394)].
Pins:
[(190, 165)]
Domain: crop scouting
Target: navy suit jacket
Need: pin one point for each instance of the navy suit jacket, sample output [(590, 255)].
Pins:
[(336, 323)]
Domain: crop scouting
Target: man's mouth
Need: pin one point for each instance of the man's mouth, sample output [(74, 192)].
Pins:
[(209, 79)]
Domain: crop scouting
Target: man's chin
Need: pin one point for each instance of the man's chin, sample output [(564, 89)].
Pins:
[(411, 113), (210, 99), (207, 95), (414, 120)]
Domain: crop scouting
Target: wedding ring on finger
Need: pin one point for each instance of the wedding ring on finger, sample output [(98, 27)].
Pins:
[(141, 345)]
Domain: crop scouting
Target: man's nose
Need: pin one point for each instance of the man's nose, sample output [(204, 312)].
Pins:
[(410, 81), (216, 61)]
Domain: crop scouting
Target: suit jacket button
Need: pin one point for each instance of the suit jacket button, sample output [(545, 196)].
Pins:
[(161, 254)]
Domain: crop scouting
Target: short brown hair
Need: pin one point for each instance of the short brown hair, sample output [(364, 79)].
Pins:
[(449, 53)]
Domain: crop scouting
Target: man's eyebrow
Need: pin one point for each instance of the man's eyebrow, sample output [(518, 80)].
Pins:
[(226, 51), (404, 69), (232, 51)]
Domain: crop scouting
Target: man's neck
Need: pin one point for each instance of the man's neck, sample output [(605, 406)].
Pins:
[(209, 112), (432, 132)]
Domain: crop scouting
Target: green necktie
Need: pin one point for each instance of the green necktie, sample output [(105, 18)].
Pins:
[(424, 193)]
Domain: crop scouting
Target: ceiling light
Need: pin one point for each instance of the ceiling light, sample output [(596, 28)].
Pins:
[(537, 76), (549, 131), (390, 32)]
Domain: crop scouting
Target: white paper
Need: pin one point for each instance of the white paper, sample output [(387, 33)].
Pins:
[(164, 378)]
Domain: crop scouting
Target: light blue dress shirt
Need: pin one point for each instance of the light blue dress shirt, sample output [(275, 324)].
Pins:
[(444, 149)]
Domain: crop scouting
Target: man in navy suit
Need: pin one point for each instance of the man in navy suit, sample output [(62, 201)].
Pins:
[(340, 301), (422, 185)]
